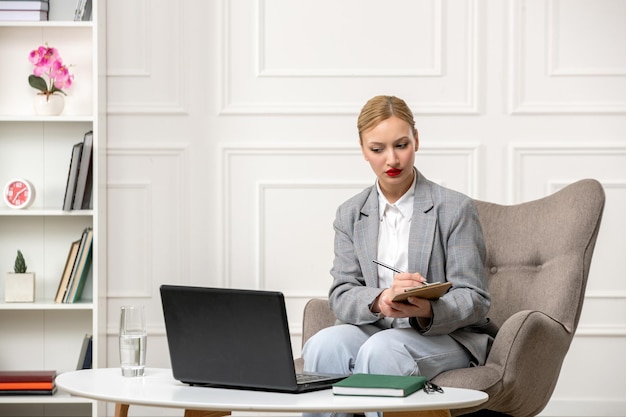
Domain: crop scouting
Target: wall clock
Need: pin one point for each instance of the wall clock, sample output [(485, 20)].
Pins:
[(19, 194)]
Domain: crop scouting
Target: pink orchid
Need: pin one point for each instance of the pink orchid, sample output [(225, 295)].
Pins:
[(61, 75), (47, 61)]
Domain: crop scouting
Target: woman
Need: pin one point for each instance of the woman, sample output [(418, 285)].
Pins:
[(414, 225)]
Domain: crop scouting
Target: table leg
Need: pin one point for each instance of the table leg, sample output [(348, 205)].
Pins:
[(433, 413), (121, 410), (205, 413)]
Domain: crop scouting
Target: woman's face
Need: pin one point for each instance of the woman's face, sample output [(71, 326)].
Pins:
[(390, 148)]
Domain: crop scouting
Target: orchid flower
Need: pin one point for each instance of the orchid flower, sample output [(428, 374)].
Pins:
[(48, 62)]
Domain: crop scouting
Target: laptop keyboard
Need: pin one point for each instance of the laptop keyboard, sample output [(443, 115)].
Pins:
[(307, 378)]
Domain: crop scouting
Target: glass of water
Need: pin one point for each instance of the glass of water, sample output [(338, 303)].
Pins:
[(133, 337)]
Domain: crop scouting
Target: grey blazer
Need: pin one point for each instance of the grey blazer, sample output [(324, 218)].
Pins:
[(445, 244)]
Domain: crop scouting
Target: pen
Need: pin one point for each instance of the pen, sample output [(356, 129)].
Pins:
[(387, 266)]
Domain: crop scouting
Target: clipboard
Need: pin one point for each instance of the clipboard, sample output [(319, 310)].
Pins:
[(430, 291)]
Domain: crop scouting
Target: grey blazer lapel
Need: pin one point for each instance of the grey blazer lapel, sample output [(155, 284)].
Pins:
[(423, 226), (366, 238)]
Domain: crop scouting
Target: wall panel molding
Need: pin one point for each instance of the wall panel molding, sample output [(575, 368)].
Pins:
[(519, 169), (601, 331), (470, 153), (264, 237), (140, 286), (141, 63), (141, 79), (436, 69), (253, 193), (541, 83), (260, 98), (583, 69), (140, 197)]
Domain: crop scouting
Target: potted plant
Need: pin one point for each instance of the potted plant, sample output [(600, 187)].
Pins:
[(19, 285), (47, 61)]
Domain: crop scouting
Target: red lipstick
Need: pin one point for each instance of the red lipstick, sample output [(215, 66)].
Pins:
[(393, 172)]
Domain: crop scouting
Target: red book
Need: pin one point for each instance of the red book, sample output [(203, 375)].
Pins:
[(26, 385), (27, 376)]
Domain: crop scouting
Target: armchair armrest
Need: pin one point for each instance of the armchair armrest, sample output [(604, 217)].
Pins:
[(521, 370), (317, 315)]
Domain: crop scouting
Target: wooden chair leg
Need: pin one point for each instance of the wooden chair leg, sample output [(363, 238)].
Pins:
[(121, 410), (433, 413)]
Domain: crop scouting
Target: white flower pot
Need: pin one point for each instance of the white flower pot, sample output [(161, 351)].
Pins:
[(19, 288), (51, 105)]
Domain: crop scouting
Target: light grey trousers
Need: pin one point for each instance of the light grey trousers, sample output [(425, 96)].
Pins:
[(347, 348)]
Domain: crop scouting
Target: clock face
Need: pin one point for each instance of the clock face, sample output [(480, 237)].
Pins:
[(19, 193)]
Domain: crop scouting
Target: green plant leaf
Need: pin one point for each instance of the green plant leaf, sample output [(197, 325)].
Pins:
[(38, 83), (56, 90), (20, 264)]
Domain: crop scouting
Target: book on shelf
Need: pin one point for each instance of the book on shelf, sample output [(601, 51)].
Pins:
[(40, 382), (29, 391), (379, 385), (86, 353), (67, 271), (26, 385), (82, 267), (23, 15), (83, 10), (28, 376), (78, 189), (82, 193), (77, 269), (24, 5), (72, 176)]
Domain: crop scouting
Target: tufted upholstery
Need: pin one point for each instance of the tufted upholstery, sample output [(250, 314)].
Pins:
[(538, 259)]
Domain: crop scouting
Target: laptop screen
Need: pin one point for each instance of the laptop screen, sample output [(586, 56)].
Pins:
[(228, 337)]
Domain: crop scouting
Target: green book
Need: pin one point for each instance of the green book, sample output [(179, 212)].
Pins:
[(379, 385)]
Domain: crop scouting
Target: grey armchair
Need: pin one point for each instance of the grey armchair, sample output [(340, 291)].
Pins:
[(538, 258)]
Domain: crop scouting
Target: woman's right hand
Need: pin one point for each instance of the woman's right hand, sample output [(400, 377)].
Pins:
[(417, 307)]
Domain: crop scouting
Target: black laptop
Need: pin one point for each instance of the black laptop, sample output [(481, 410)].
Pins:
[(232, 338)]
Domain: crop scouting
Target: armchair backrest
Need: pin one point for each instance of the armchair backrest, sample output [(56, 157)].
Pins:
[(539, 252)]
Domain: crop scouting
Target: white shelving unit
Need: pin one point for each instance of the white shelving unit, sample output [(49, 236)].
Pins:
[(45, 335)]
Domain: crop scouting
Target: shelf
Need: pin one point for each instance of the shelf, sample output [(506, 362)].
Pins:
[(60, 397), (45, 305), (52, 119), (7, 212), (45, 24)]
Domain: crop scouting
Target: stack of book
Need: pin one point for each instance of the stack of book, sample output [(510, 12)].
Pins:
[(78, 190), (76, 271), (24, 10), (27, 382)]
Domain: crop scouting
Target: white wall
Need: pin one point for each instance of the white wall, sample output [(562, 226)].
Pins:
[(232, 139)]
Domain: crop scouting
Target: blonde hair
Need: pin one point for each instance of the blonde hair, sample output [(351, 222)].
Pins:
[(380, 108)]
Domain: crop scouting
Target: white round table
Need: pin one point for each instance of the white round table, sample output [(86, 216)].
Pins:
[(157, 388)]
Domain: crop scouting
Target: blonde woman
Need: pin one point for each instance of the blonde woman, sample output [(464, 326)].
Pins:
[(414, 225)]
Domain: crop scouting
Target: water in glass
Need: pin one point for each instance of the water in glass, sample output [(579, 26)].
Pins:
[(133, 338)]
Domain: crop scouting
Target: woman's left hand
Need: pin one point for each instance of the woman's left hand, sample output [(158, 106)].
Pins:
[(413, 307)]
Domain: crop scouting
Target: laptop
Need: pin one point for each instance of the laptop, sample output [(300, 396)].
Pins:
[(232, 338)]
